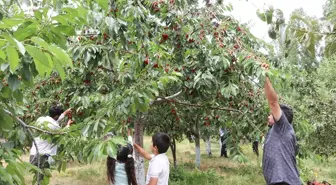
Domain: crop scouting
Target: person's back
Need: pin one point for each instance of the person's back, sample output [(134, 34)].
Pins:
[(45, 148), (158, 170), (120, 171), (279, 160), (120, 175), (279, 157)]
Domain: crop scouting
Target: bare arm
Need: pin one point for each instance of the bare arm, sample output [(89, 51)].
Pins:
[(272, 99), (153, 181), (142, 152)]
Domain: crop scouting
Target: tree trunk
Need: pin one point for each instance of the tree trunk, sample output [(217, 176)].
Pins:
[(173, 149), (197, 147), (208, 145), (139, 160)]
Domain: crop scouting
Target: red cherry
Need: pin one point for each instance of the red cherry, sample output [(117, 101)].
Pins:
[(166, 70), (239, 29), (206, 118), (236, 46), (191, 40), (156, 65), (173, 111), (146, 61), (187, 36), (217, 116), (165, 36), (176, 69)]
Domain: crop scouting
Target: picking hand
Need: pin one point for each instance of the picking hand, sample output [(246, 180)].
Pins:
[(70, 122), (67, 112)]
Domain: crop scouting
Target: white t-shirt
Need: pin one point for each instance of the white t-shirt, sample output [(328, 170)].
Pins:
[(44, 147), (159, 168)]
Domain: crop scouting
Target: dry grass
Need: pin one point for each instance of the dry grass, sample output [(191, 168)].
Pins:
[(228, 172)]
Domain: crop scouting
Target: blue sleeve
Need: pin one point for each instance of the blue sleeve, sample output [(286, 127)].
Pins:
[(282, 124)]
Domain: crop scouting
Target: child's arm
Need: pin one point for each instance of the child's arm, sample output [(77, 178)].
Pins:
[(129, 136), (142, 152), (153, 181)]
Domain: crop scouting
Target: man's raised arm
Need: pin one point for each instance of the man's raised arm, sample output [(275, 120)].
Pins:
[(272, 99)]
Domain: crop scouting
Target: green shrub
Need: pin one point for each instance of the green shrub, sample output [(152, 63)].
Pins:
[(181, 176)]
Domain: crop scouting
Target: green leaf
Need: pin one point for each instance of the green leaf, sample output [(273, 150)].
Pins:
[(41, 42), (38, 14), (61, 55), (269, 15), (13, 82), (103, 4), (13, 58), (6, 92), (111, 149), (67, 30), (119, 140), (2, 55), (3, 42), (6, 120), (64, 164), (18, 96), (261, 15), (40, 67), (37, 54), (23, 33), (11, 22), (15, 43)]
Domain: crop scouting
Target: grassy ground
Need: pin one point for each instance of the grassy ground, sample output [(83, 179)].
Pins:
[(214, 170)]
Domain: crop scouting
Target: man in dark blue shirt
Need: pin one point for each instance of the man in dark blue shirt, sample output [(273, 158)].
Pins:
[(280, 148)]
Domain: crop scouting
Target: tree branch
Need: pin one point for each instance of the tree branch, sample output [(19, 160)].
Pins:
[(26, 128), (37, 154), (23, 124), (161, 99), (201, 106)]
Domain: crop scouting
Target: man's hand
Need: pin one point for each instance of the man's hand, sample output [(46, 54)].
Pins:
[(142, 152), (153, 181), (67, 112), (70, 122)]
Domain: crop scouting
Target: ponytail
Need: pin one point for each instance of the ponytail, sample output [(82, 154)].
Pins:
[(130, 170), (110, 163)]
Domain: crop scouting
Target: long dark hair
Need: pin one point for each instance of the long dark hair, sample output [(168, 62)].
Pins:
[(124, 155)]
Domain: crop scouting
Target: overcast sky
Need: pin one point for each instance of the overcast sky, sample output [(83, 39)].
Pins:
[(246, 11)]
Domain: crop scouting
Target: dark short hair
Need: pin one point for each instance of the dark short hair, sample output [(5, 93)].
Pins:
[(161, 141), (55, 111), (288, 112)]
